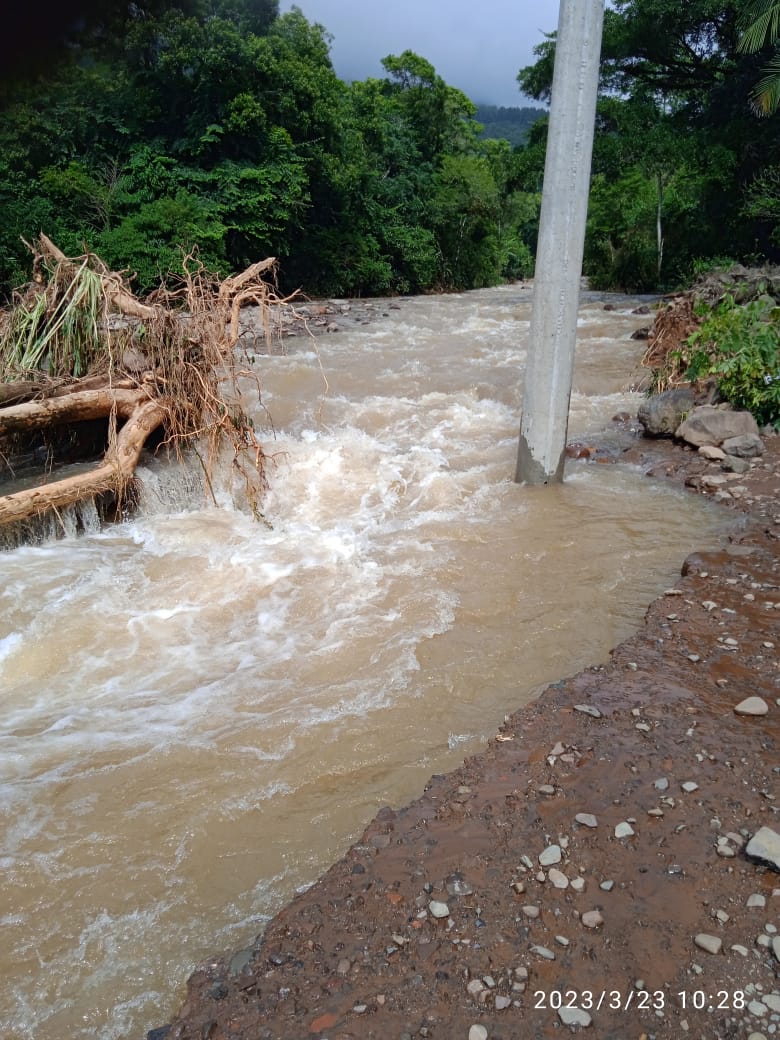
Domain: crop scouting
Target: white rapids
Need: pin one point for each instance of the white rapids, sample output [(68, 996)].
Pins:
[(199, 711)]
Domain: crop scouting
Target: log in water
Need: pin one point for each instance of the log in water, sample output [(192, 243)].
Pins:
[(199, 711)]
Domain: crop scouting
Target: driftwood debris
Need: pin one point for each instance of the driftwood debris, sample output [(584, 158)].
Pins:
[(76, 346)]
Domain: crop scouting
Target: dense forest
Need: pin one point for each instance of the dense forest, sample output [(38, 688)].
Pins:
[(508, 124), (157, 126)]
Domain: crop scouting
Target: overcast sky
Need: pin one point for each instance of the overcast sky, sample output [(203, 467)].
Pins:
[(476, 45)]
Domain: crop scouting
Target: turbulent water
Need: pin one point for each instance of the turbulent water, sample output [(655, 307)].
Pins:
[(200, 711)]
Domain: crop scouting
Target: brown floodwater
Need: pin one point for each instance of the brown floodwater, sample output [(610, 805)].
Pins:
[(199, 711)]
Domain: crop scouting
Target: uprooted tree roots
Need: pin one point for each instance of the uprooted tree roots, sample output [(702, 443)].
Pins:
[(77, 345)]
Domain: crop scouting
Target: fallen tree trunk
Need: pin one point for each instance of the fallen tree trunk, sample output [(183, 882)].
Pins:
[(62, 362), (77, 406), (112, 474)]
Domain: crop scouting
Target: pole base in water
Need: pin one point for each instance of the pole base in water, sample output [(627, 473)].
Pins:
[(531, 471)]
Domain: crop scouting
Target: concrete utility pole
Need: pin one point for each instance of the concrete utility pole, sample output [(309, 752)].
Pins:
[(553, 334)]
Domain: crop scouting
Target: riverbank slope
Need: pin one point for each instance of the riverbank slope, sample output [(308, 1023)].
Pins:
[(592, 856)]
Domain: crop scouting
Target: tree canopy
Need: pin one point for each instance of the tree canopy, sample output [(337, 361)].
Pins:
[(684, 172), (221, 124)]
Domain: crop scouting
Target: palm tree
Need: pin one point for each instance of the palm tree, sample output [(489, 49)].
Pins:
[(760, 24)]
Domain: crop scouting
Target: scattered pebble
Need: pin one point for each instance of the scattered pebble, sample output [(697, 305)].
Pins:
[(592, 919), (531, 911), (551, 855), (752, 706), (542, 951), (689, 786), (588, 709), (586, 819), (624, 830), (765, 845), (478, 1033), (708, 943), (438, 909), (557, 878), (574, 1017)]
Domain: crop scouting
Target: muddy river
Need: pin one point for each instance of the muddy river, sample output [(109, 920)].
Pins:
[(200, 711)]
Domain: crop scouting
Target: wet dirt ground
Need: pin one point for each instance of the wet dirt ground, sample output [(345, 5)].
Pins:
[(504, 902)]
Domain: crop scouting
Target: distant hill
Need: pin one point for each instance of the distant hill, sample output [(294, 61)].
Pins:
[(511, 124)]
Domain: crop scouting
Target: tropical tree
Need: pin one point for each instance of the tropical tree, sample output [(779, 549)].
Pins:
[(761, 22)]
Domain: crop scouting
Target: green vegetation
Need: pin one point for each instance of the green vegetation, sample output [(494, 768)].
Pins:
[(165, 124), (507, 124), (738, 346), (219, 123), (684, 169)]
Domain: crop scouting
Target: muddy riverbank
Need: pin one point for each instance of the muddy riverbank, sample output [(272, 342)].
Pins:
[(587, 858)]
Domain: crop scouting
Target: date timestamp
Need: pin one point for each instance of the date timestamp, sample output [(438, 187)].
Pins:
[(640, 1000)]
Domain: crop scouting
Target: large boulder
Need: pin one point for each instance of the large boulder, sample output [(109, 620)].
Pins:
[(748, 446), (711, 425), (662, 414)]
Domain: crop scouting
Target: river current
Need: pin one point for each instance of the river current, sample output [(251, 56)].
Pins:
[(199, 711)]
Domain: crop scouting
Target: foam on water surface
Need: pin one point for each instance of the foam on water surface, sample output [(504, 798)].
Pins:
[(200, 711)]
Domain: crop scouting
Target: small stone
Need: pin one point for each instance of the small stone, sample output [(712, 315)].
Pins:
[(756, 901), (542, 951), (722, 916), (558, 749), (557, 878), (502, 1003), (752, 706), (551, 855), (547, 789), (592, 919), (458, 886), (709, 451), (571, 1016), (689, 786), (607, 886), (662, 784), (588, 709), (694, 658), (586, 819), (531, 911), (755, 1007), (765, 846), (438, 909), (561, 940), (655, 812), (708, 943), (578, 884), (475, 987), (478, 1033), (741, 950), (624, 830)]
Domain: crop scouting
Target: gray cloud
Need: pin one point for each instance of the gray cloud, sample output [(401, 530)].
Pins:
[(476, 46)]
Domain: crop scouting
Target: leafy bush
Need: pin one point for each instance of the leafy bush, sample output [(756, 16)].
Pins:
[(740, 347)]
